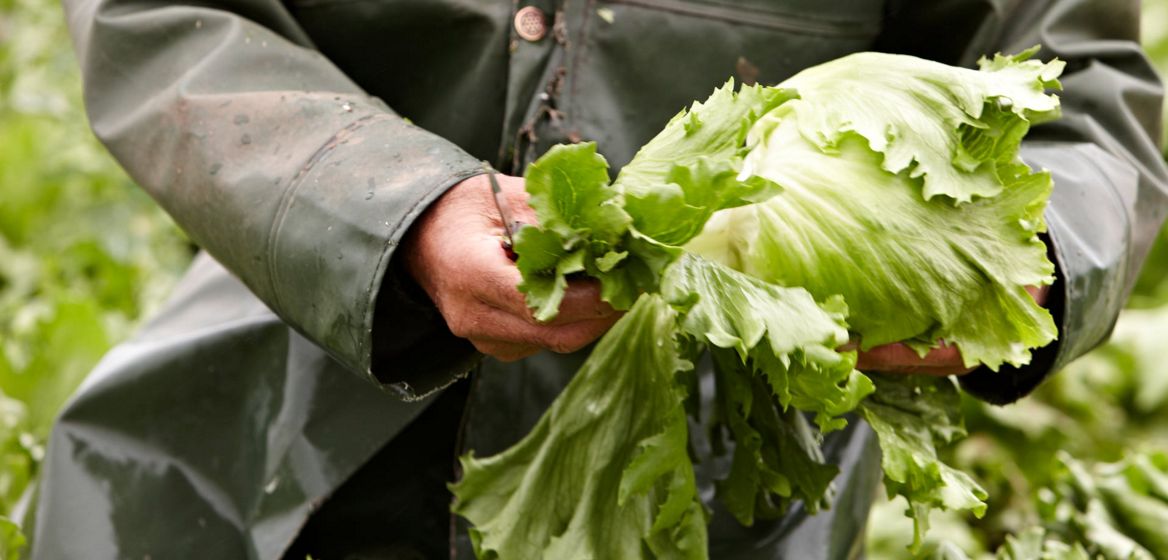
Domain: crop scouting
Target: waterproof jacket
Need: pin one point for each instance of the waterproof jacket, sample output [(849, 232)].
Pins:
[(296, 141)]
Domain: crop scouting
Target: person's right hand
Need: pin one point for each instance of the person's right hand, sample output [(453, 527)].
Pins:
[(454, 254)]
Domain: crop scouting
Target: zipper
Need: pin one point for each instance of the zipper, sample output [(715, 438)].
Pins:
[(759, 18)]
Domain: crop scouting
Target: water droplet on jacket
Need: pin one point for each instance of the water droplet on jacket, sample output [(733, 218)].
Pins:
[(241, 119), (369, 195), (198, 24), (271, 486), (245, 139), (347, 107), (215, 168)]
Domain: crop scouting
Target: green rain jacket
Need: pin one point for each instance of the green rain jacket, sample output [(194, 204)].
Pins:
[(296, 141)]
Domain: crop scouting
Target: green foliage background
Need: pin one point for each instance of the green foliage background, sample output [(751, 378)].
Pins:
[(84, 255)]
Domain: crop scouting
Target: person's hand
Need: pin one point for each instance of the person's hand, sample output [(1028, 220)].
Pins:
[(943, 361), (454, 254)]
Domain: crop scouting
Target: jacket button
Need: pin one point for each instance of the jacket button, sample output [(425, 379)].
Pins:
[(530, 23)]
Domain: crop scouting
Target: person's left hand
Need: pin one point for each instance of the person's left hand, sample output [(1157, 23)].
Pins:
[(943, 361)]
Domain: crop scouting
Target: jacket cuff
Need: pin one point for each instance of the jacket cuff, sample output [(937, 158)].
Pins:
[(414, 352), (1089, 228), (332, 247)]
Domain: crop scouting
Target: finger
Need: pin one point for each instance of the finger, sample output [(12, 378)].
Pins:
[(487, 323), (582, 303), (898, 354), (498, 287), (921, 370), (944, 360), (1039, 293)]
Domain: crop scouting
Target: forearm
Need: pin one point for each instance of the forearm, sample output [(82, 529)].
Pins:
[(265, 154)]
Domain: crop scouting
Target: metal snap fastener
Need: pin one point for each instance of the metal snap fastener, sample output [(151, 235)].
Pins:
[(530, 23)]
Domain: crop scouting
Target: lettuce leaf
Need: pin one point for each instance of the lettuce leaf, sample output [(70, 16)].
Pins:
[(946, 125), (911, 266), (912, 416), (625, 234), (605, 471), (782, 335), (878, 185), (611, 454)]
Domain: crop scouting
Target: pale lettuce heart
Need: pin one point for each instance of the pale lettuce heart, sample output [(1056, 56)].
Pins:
[(909, 268)]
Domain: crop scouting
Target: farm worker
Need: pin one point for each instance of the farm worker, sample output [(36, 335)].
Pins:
[(304, 390)]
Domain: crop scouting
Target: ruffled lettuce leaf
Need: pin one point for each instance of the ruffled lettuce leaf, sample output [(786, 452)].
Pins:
[(611, 453), (775, 358), (911, 266), (692, 168), (582, 228), (913, 416), (776, 457), (625, 234), (891, 181), (948, 126), (781, 335)]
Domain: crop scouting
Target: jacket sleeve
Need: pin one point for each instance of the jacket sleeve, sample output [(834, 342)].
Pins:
[(1111, 187), (277, 164)]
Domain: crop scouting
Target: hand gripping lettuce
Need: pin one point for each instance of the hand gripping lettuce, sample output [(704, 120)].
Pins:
[(878, 197)]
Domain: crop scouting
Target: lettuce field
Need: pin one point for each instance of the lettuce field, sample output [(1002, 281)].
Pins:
[(1077, 470)]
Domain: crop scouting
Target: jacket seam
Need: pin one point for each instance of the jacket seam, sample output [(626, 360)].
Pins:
[(289, 196)]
